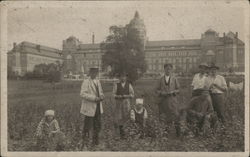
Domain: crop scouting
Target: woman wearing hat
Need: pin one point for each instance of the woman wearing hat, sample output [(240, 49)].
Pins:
[(122, 92), (92, 97), (198, 82), (167, 89), (218, 87)]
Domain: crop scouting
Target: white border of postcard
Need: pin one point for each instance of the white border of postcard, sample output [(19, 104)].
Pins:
[(51, 4)]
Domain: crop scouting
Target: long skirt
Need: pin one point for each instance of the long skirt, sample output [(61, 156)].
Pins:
[(122, 109), (169, 106), (219, 105)]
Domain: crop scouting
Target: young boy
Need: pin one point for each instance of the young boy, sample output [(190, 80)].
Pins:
[(138, 116), (48, 134)]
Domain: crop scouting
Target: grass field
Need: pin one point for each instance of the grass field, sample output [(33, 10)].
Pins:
[(27, 101)]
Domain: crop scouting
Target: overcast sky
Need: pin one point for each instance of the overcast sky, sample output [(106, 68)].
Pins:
[(50, 25)]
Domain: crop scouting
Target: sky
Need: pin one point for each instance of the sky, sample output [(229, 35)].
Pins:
[(50, 25)]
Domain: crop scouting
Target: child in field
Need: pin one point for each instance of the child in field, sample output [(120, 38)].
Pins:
[(48, 134), (139, 115)]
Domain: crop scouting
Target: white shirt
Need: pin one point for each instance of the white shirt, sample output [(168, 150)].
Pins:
[(132, 113), (218, 80), (199, 81), (167, 78), (123, 84)]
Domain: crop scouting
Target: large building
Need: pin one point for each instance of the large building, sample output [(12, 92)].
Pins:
[(24, 56), (226, 51)]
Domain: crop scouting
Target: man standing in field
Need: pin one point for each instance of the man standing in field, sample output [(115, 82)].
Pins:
[(92, 97), (167, 89), (218, 87)]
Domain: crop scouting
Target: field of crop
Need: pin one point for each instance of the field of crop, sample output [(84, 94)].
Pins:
[(27, 101)]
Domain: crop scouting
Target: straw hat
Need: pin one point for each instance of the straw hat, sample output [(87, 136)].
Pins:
[(213, 66), (203, 65)]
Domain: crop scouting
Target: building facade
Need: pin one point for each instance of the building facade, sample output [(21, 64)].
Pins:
[(226, 51), (185, 55), (24, 56)]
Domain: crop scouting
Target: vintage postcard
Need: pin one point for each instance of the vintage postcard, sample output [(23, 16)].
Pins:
[(124, 78)]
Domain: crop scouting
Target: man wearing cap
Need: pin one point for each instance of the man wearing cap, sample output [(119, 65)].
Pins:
[(92, 97), (167, 89), (122, 92), (218, 87)]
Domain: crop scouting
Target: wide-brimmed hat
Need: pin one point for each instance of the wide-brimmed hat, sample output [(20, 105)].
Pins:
[(213, 66), (203, 65), (168, 65), (49, 113)]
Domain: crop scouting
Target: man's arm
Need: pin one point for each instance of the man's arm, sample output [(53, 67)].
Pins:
[(101, 90), (158, 87)]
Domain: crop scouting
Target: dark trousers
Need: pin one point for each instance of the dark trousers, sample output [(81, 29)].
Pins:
[(219, 105), (93, 123)]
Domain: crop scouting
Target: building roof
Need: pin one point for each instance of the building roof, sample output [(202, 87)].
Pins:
[(89, 46), (187, 42), (32, 48)]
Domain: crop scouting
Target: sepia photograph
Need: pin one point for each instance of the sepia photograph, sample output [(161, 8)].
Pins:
[(125, 76)]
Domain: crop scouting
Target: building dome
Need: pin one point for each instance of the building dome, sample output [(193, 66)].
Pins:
[(137, 22)]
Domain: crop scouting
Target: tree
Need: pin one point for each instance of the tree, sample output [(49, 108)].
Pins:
[(124, 50)]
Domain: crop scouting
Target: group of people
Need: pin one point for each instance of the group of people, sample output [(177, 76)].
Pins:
[(207, 101)]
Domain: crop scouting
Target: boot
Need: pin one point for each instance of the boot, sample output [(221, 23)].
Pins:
[(122, 133), (85, 140), (95, 139)]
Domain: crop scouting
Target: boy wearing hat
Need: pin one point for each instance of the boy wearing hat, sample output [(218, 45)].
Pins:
[(122, 92), (218, 87), (92, 97), (139, 114), (167, 89)]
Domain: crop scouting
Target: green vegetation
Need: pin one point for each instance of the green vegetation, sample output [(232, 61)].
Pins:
[(27, 101)]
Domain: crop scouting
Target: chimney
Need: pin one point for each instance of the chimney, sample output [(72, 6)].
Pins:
[(93, 38), (236, 35), (224, 34), (14, 45)]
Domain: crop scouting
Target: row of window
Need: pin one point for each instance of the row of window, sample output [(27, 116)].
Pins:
[(92, 62), (35, 59), (171, 53), (173, 60), (161, 67)]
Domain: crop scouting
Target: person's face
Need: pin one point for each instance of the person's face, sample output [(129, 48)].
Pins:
[(202, 69), (49, 118), (138, 106), (213, 71), (168, 70), (93, 74), (123, 78)]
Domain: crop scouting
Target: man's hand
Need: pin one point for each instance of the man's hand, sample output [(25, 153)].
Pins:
[(163, 93), (118, 96), (102, 97), (126, 96), (97, 99)]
